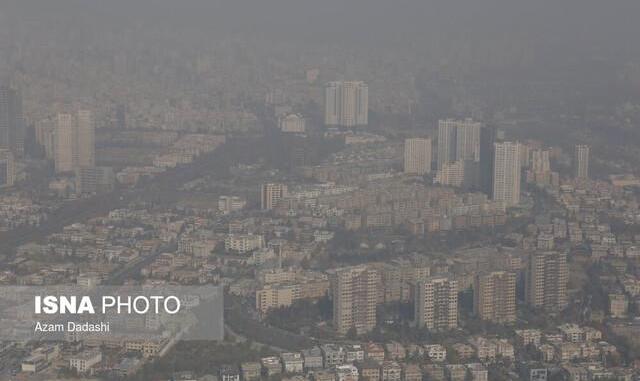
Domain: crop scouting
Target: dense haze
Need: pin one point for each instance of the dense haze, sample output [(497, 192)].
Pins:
[(380, 190), (562, 29)]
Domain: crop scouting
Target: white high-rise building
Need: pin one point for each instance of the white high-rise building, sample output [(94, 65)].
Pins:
[(417, 156), (64, 146), (581, 161), (506, 173), (346, 104), (85, 144)]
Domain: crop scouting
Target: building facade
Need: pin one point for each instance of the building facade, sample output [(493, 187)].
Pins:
[(436, 303), (506, 173), (12, 128), (494, 296), (355, 297), (271, 194), (346, 104), (417, 156), (546, 281), (458, 140), (74, 141), (7, 168), (581, 161)]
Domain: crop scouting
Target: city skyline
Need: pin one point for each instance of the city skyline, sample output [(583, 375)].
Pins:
[(324, 190)]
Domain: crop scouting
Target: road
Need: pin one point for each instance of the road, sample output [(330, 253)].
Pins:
[(120, 276), (161, 189)]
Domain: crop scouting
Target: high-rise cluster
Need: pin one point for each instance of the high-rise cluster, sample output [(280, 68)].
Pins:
[(464, 158), (346, 104), (458, 140)]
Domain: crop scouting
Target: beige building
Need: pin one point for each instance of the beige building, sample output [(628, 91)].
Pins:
[(243, 243), (230, 204), (494, 296), (74, 141), (451, 174), (84, 361), (355, 297), (436, 303), (64, 143), (282, 291), (546, 281), (540, 161), (417, 156), (275, 296), (397, 277), (292, 123), (618, 306), (271, 194), (85, 144)]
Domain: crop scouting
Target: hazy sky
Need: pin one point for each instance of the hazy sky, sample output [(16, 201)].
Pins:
[(582, 21), (546, 30)]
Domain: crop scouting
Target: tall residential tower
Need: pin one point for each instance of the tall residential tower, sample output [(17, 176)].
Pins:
[(546, 281), (581, 161), (74, 141), (458, 140), (506, 173), (417, 156), (355, 298), (85, 141), (12, 129), (64, 143), (346, 104), (436, 303), (494, 296)]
